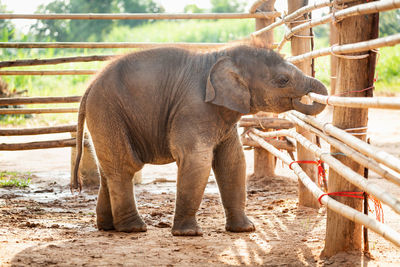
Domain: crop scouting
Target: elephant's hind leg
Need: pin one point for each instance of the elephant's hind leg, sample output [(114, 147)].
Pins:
[(230, 172), (117, 165)]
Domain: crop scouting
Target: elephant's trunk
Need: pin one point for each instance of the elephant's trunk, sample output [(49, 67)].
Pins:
[(314, 108)]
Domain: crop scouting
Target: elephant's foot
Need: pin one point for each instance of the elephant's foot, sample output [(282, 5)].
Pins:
[(186, 227), (105, 225), (131, 223), (239, 223)]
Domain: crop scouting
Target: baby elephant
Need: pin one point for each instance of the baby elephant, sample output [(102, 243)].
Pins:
[(167, 104)]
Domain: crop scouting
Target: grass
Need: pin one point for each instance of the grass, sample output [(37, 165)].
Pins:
[(15, 179)]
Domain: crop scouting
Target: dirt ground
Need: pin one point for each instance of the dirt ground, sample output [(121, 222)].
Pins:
[(44, 225)]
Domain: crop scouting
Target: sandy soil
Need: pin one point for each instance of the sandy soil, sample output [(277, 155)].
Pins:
[(45, 225)]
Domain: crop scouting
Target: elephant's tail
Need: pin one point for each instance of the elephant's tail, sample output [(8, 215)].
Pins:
[(76, 181)]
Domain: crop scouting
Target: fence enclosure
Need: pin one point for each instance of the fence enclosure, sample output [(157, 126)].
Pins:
[(355, 25)]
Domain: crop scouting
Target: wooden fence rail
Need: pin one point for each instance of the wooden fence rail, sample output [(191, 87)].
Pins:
[(46, 72), (143, 16), (108, 45), (39, 130), (39, 100), (8, 111)]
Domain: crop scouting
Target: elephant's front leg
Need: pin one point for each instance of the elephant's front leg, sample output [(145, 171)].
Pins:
[(193, 171), (230, 171)]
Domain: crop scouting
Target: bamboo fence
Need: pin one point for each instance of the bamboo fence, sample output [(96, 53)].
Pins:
[(266, 123), (348, 48), (39, 130), (54, 61), (383, 230), (46, 72), (108, 45), (357, 102), (39, 100), (9, 111), (345, 171), (143, 16), (380, 156), (349, 152), (70, 142), (363, 9)]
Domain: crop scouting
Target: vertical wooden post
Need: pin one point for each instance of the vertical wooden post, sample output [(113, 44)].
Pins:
[(333, 39), (300, 45), (341, 233), (264, 162)]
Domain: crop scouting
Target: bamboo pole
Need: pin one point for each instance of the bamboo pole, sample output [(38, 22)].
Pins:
[(358, 102), (351, 214), (54, 61), (349, 48), (47, 72), (301, 45), (39, 100), (264, 162), (39, 145), (349, 152), (142, 16), (266, 122), (279, 144), (380, 156), (292, 16), (36, 110), (350, 175), (361, 9), (108, 45), (39, 130)]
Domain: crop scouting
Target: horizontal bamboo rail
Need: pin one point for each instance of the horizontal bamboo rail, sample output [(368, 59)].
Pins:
[(279, 144), (47, 72), (292, 16), (267, 123), (71, 142), (363, 9), (368, 150), (144, 16), (54, 61), (349, 152), (39, 100), (348, 48), (36, 110), (357, 102), (350, 175), (107, 45), (383, 230), (39, 130)]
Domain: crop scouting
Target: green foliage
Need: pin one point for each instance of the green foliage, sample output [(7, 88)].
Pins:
[(389, 22), (15, 179), (87, 30), (7, 29), (227, 6), (387, 69), (184, 31), (193, 8)]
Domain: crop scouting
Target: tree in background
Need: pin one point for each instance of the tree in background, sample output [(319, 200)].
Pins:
[(7, 29), (227, 6), (193, 8), (88, 30), (389, 22)]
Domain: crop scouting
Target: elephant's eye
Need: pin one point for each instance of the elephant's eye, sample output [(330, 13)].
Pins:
[(282, 80)]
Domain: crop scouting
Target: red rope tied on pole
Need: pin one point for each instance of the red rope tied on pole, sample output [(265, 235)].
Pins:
[(377, 204), (321, 170)]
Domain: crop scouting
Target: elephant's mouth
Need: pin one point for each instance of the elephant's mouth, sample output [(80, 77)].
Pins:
[(310, 109)]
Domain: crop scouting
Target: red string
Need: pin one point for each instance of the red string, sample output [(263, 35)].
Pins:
[(377, 204), (321, 171)]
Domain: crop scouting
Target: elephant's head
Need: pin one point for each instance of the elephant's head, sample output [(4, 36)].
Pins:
[(248, 80)]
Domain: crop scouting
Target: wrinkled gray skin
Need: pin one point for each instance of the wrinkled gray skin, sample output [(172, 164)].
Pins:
[(167, 104)]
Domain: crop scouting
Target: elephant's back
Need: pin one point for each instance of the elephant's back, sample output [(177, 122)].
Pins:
[(143, 91)]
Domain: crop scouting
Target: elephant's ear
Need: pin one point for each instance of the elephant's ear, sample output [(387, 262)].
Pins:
[(226, 87)]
